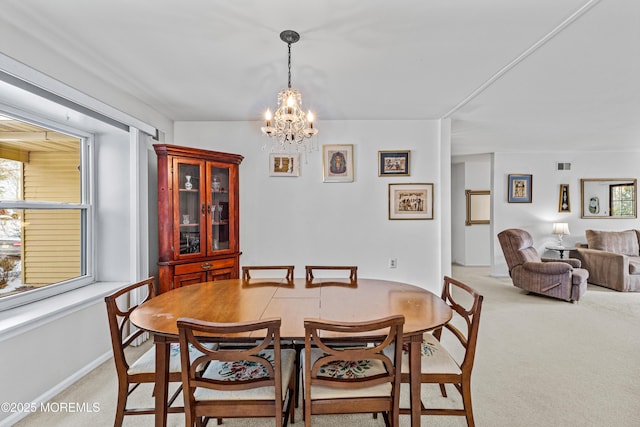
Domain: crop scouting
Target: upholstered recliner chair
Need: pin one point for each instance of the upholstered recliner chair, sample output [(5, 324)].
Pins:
[(563, 279)]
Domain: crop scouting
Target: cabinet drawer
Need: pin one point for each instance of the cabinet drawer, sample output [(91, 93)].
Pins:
[(197, 267)]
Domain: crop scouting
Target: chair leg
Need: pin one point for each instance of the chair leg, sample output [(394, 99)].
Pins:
[(306, 408), (123, 393), (443, 390), (387, 421), (466, 400), (294, 396), (296, 388)]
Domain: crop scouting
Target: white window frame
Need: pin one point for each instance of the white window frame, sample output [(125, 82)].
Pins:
[(87, 184)]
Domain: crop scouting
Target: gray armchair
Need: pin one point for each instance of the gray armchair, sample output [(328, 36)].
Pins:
[(563, 279)]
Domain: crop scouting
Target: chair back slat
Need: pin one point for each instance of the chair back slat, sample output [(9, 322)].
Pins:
[(231, 370), (313, 330), (353, 270), (194, 333), (247, 269)]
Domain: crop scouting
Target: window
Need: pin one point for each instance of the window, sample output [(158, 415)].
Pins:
[(45, 213), (622, 199)]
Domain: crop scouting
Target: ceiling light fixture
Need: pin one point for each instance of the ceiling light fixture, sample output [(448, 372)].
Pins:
[(289, 127)]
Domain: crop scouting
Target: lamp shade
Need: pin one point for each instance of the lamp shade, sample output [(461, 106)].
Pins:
[(561, 228)]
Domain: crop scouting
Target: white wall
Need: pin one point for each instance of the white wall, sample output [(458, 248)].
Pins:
[(302, 220), (458, 213), (472, 243), (537, 217), (39, 363)]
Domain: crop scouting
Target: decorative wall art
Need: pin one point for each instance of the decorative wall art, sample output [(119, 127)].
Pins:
[(564, 204), (411, 201), (394, 163), (520, 187), (282, 164), (478, 207), (337, 163)]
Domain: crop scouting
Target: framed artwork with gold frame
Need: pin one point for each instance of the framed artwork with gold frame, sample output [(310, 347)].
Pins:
[(478, 207), (564, 203), (411, 201)]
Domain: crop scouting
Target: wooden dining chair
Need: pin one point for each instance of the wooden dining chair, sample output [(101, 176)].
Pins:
[(449, 352), (353, 270), (348, 380), (132, 373), (247, 269), (238, 382)]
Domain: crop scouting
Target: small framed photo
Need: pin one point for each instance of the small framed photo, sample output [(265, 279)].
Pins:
[(337, 163), (411, 201), (394, 163), (283, 164), (564, 204), (520, 188)]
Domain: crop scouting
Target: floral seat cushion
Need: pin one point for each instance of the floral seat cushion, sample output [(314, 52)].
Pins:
[(347, 369), (236, 371)]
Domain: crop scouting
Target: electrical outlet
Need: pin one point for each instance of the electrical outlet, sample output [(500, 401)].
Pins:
[(393, 262)]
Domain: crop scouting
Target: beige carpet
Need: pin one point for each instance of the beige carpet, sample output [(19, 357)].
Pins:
[(540, 362)]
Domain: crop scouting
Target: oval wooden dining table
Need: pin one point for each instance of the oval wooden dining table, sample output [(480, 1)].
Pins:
[(238, 300)]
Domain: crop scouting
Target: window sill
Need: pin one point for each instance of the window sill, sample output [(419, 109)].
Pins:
[(18, 320)]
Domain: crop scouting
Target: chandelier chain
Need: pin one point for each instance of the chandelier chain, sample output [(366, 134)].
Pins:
[(289, 44)]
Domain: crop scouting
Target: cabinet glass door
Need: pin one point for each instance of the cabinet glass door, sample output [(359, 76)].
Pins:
[(190, 213), (220, 215)]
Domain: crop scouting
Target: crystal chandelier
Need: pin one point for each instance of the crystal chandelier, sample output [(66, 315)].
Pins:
[(289, 127)]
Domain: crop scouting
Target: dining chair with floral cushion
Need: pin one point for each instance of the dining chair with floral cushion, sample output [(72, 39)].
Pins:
[(354, 379), (237, 382)]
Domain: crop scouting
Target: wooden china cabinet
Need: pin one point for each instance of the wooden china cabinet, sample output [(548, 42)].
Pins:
[(198, 216)]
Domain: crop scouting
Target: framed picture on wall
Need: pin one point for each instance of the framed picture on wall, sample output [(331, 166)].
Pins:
[(564, 204), (394, 163), (520, 188), (411, 201), (337, 163), (478, 207), (282, 164)]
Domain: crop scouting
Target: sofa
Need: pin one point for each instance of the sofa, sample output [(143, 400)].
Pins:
[(556, 278), (612, 259)]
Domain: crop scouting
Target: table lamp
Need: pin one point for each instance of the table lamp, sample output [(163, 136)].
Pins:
[(560, 228)]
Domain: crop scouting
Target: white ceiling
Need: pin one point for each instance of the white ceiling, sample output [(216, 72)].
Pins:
[(511, 74)]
